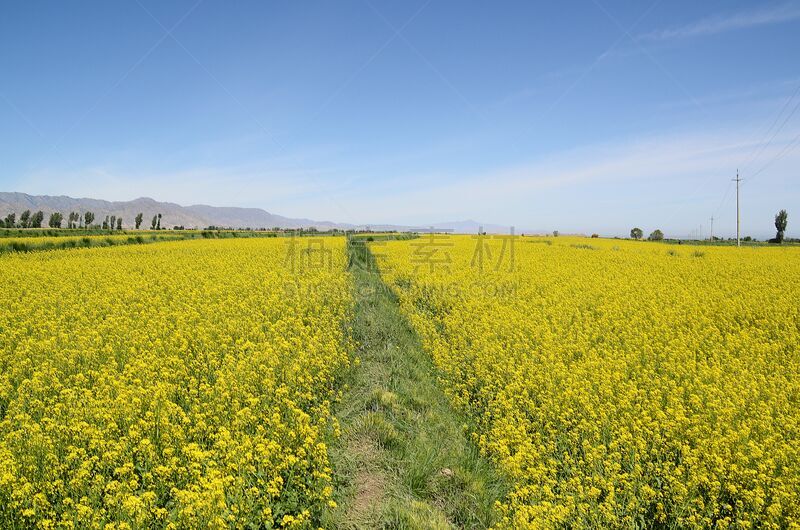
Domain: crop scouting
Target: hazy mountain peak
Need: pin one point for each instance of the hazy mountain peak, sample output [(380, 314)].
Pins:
[(202, 215), (195, 216)]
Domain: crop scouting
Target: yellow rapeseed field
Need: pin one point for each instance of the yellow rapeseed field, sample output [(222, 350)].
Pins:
[(180, 385), (618, 384)]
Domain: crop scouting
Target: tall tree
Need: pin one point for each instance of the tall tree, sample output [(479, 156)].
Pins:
[(158, 226), (153, 222), (36, 219), (88, 219), (24, 219), (781, 218), (105, 223), (138, 220), (656, 235), (113, 222), (11, 220), (636, 233), (119, 223), (55, 220)]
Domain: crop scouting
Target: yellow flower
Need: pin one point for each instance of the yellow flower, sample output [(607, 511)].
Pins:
[(612, 381), (169, 384)]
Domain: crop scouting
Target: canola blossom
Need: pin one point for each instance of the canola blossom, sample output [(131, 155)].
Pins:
[(179, 385), (618, 384)]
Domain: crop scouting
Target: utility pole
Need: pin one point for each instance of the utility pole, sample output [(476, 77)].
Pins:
[(737, 180), (712, 228)]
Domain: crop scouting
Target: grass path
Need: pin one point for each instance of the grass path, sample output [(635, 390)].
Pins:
[(403, 460)]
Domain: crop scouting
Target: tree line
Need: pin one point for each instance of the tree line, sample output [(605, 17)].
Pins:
[(74, 220), (781, 220), (655, 235)]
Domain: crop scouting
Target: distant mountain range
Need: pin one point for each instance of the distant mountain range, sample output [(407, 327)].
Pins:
[(201, 215)]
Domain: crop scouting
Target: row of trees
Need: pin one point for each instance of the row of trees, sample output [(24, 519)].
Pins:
[(56, 219), (74, 220), (655, 235), (26, 220), (110, 223)]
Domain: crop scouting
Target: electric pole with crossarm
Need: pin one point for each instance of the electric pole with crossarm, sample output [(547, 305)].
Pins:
[(712, 229), (737, 180)]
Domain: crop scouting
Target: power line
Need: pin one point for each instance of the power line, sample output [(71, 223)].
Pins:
[(791, 145), (757, 153), (763, 145), (724, 198)]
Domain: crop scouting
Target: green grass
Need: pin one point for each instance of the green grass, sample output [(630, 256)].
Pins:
[(58, 232), (34, 241), (404, 460), (72, 232), (37, 245)]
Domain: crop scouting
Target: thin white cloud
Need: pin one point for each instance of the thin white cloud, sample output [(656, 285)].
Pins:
[(674, 181), (230, 186), (721, 23)]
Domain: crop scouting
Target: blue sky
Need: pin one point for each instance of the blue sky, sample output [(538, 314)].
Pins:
[(590, 116)]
